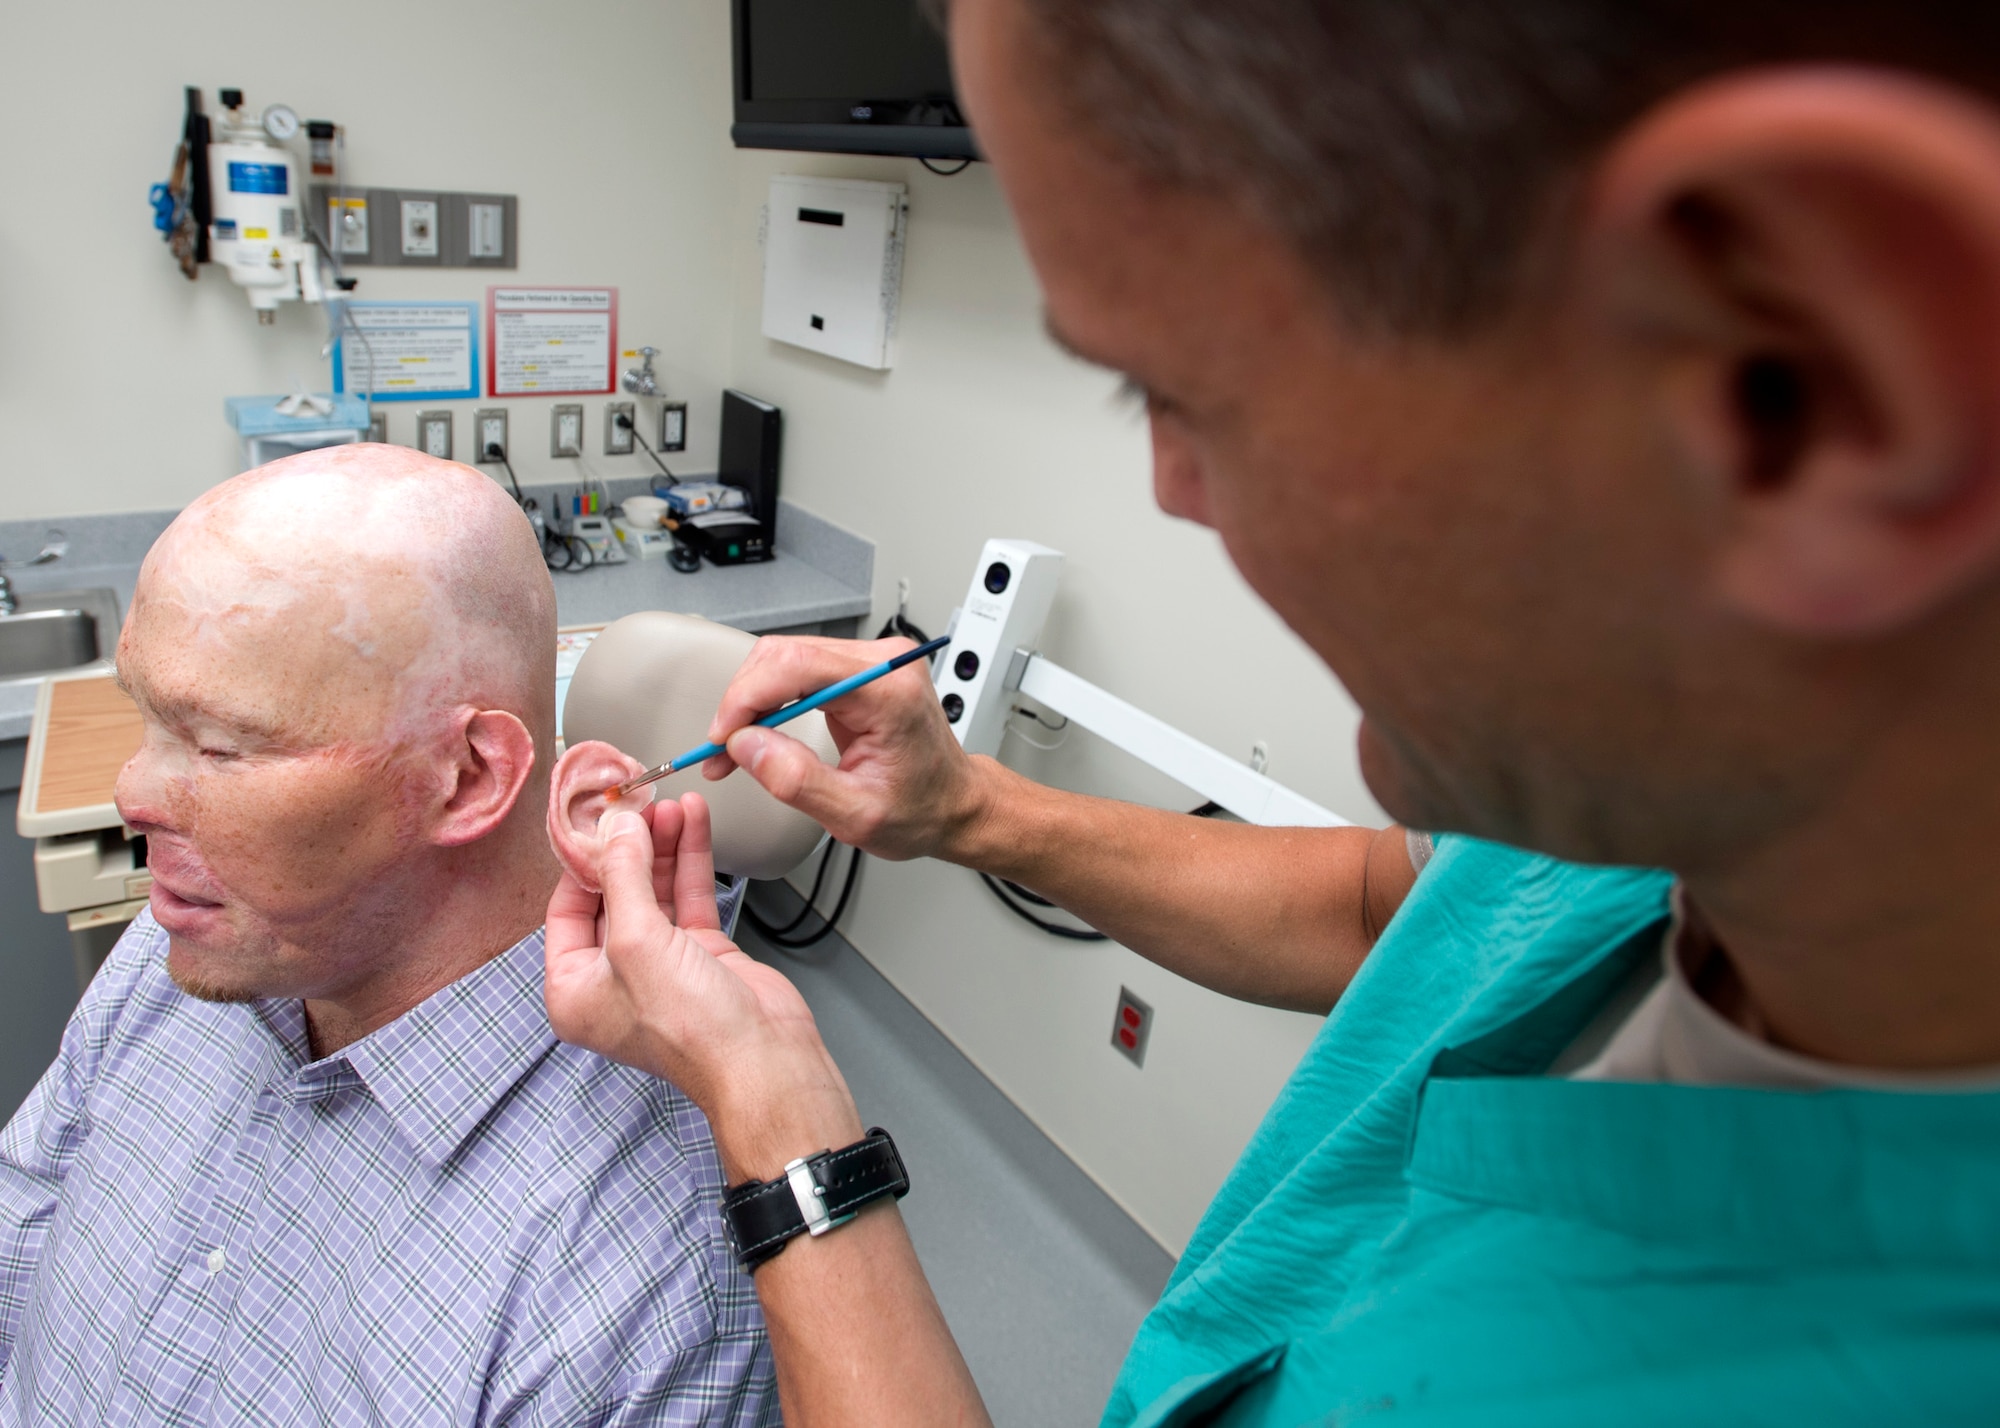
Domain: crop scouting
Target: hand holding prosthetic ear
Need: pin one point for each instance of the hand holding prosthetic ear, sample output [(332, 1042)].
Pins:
[(643, 693), (578, 801)]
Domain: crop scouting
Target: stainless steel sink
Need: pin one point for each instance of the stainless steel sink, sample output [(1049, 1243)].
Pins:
[(57, 630)]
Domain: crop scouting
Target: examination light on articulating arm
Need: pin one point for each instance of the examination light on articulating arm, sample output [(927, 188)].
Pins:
[(991, 661)]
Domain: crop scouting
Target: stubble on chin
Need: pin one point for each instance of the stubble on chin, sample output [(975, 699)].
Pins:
[(204, 989)]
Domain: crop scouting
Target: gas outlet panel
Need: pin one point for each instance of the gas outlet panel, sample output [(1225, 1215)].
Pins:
[(427, 228)]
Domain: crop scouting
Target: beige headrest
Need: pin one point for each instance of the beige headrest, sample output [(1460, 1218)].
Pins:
[(648, 686)]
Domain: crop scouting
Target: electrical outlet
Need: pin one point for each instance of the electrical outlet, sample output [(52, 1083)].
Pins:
[(617, 436), (674, 426), (434, 434), (566, 429), (489, 424), (378, 426), (1132, 1028)]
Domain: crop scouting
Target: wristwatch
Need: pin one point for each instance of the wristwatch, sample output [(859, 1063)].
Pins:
[(816, 1194)]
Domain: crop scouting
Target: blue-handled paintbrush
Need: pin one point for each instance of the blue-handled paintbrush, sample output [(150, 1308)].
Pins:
[(781, 716)]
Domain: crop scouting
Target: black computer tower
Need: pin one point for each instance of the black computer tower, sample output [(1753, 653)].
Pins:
[(752, 434)]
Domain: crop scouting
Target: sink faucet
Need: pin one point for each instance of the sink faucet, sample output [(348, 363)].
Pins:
[(55, 546)]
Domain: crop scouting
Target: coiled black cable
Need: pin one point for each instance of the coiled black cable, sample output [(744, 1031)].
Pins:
[(780, 936)]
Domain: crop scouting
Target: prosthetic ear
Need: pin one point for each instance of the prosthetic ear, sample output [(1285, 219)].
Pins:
[(648, 685), (579, 797)]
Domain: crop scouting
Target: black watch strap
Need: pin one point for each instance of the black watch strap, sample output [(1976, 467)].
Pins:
[(815, 1194)]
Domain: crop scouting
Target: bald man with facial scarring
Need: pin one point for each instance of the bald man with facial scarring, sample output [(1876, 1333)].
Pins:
[(311, 1152)]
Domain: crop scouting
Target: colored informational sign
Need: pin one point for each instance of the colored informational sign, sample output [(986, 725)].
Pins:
[(408, 351), (551, 341)]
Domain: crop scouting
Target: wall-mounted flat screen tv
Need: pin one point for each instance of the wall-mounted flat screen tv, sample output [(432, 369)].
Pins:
[(845, 77)]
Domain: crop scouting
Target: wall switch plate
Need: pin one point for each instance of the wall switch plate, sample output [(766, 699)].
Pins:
[(617, 438), (566, 429), (485, 229), (479, 229), (489, 429), (378, 426), (420, 228), (434, 434), (674, 426), (1132, 1027)]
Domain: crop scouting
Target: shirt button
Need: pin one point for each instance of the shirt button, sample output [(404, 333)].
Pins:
[(217, 1261)]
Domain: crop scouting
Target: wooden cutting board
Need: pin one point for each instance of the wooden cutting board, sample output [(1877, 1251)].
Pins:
[(84, 731)]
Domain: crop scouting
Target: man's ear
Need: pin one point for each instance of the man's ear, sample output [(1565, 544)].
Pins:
[(495, 757), (1808, 261), (579, 796)]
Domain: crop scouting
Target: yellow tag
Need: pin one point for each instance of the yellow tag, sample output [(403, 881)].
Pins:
[(256, 233)]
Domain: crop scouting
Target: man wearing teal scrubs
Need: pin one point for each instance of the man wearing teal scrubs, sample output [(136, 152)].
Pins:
[(1609, 391)]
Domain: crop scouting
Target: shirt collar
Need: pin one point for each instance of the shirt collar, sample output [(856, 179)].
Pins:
[(1698, 1045), (441, 1067), (1830, 1175)]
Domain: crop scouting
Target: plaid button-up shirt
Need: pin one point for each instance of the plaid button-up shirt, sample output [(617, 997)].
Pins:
[(455, 1220)]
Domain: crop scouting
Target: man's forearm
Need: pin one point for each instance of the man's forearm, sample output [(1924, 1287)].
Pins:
[(1282, 916)]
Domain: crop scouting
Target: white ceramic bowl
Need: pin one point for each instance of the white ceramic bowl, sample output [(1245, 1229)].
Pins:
[(644, 511)]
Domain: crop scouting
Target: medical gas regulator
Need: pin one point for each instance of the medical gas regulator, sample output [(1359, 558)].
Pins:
[(257, 229)]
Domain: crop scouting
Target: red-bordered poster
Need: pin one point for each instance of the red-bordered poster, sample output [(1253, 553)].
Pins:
[(546, 342)]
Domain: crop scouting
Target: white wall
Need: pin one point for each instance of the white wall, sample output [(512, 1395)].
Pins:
[(610, 123), (983, 429), (113, 368)]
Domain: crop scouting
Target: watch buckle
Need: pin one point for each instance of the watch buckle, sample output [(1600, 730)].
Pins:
[(811, 1197)]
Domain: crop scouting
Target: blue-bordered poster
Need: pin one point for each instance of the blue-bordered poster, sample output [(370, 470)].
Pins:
[(408, 351)]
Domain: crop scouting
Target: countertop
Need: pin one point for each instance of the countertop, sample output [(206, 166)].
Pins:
[(773, 595)]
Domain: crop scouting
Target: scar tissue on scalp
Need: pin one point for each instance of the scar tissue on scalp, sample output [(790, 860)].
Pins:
[(384, 550)]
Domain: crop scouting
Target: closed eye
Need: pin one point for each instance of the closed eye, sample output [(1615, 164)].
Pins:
[(1134, 393)]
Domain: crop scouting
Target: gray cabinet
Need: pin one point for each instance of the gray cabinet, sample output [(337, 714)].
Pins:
[(37, 966)]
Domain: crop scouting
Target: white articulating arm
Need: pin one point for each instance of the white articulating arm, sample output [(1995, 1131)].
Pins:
[(989, 661), (1209, 772)]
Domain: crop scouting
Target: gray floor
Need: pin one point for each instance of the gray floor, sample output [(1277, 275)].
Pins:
[(1042, 1278)]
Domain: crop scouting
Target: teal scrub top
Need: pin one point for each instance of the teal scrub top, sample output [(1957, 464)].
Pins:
[(1427, 1228)]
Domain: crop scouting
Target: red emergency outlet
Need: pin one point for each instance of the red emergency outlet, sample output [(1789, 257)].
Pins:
[(1131, 1028)]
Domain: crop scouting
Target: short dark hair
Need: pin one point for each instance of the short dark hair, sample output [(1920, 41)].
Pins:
[(1411, 147)]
